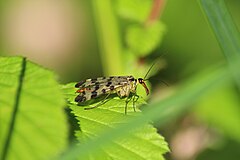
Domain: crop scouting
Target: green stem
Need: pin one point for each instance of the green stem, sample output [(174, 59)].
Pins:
[(108, 37)]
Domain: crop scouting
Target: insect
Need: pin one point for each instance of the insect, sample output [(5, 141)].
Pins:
[(123, 86)]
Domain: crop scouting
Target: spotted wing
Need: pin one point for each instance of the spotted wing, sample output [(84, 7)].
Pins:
[(93, 88), (108, 81), (92, 93)]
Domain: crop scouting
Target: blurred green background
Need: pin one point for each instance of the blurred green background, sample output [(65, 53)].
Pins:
[(83, 39)]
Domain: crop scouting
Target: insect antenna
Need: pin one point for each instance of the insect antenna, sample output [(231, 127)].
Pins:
[(160, 81), (152, 66), (148, 71)]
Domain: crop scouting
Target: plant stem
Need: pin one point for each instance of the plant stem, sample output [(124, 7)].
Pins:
[(108, 37)]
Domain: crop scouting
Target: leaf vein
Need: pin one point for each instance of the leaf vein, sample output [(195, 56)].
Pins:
[(14, 114)]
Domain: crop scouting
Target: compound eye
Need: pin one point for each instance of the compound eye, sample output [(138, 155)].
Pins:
[(140, 80)]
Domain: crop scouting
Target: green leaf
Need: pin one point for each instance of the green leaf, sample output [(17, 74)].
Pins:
[(142, 143), (135, 10), (142, 40), (33, 124), (161, 111), (225, 31)]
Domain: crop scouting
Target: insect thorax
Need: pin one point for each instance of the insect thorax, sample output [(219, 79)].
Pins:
[(124, 91)]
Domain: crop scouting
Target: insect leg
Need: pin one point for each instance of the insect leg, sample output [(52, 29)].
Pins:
[(134, 101), (128, 99), (99, 104)]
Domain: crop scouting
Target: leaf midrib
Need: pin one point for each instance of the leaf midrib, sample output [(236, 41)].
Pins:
[(15, 110)]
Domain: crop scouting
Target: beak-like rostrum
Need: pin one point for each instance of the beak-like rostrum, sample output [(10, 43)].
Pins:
[(141, 81), (145, 86)]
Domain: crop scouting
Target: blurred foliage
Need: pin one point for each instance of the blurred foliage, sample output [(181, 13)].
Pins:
[(143, 40), (226, 32), (220, 108), (140, 37), (228, 149), (135, 10), (122, 39)]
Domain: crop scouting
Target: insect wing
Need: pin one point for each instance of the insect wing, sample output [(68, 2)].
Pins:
[(90, 82), (113, 80), (93, 88)]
